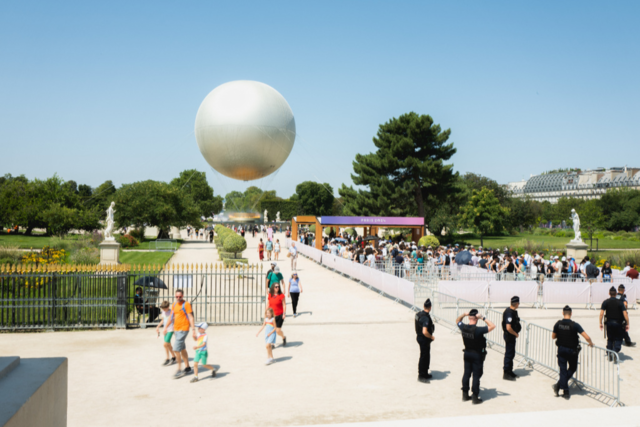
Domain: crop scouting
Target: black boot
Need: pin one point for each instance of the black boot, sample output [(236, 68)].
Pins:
[(567, 395), (507, 376), (556, 389), (476, 399), (465, 396), (513, 374)]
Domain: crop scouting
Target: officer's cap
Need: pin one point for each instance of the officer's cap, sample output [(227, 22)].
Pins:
[(515, 299), (620, 287), (566, 308), (473, 313), (427, 303)]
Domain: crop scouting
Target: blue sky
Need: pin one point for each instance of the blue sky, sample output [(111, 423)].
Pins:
[(96, 91)]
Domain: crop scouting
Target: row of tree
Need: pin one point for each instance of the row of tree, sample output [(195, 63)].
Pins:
[(59, 206)]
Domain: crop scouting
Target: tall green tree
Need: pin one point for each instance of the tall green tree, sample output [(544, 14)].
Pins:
[(407, 171), (621, 209), (523, 212), (591, 217), (483, 213), (153, 203), (194, 184), (314, 198), (472, 181)]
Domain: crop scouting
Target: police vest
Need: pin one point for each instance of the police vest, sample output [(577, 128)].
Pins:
[(418, 322), (471, 342), (516, 326), (567, 335), (613, 310)]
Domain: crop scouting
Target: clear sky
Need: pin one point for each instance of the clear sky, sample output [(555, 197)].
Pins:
[(109, 90)]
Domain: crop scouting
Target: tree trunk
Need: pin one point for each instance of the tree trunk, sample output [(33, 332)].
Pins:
[(481, 241), (420, 200), (28, 231)]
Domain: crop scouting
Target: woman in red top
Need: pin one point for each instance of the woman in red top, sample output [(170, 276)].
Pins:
[(261, 250), (279, 305)]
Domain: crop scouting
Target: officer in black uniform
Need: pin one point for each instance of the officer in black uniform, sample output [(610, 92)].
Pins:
[(565, 332), (475, 351), (616, 315), (424, 332), (511, 328), (625, 334)]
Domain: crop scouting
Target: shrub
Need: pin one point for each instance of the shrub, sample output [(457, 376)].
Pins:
[(351, 232), (312, 228), (127, 241), (429, 241), (10, 255), (620, 260), (560, 233), (86, 256), (233, 261), (227, 255), (137, 233), (569, 233), (60, 243), (235, 243), (607, 233)]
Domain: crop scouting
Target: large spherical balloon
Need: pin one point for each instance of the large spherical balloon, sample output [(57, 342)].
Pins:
[(245, 130)]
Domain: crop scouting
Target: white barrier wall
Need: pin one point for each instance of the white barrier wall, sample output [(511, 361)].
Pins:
[(502, 291), (473, 291), (566, 293)]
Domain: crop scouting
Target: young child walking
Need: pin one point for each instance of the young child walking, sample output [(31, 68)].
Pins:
[(167, 321), (201, 352), (269, 334)]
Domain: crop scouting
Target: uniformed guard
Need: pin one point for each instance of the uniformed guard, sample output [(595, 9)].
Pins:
[(625, 333), (565, 332), (615, 314), (475, 351), (424, 332), (511, 328)]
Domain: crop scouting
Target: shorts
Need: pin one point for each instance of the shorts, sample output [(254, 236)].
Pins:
[(178, 344), (201, 357), (279, 321), (167, 337)]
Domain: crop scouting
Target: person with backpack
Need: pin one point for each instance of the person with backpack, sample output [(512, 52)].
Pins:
[(182, 323)]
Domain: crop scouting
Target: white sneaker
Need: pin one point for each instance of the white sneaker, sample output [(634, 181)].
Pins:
[(269, 362)]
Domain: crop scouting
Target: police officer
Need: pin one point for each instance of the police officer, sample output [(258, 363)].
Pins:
[(565, 332), (511, 328), (424, 331), (625, 334), (616, 315), (475, 351)]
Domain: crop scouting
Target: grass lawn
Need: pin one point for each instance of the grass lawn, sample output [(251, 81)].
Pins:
[(145, 257), (27, 242), (150, 244), (550, 241)]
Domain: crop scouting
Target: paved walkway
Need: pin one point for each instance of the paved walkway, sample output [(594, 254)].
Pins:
[(351, 357)]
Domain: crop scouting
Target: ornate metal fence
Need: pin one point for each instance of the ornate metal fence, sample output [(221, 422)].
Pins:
[(75, 297)]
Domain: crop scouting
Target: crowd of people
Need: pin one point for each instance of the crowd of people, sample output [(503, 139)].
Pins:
[(409, 259)]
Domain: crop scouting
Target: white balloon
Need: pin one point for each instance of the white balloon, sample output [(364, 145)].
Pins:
[(245, 129)]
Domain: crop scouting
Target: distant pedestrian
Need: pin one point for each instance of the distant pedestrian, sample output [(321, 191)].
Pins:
[(261, 250), (276, 277), (295, 289), (276, 249), (168, 326), (293, 254), (201, 351), (269, 248), (211, 236), (269, 334), (278, 303)]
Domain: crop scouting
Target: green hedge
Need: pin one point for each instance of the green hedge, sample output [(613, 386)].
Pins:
[(427, 241), (287, 208)]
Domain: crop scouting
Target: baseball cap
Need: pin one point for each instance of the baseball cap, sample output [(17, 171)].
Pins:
[(203, 325)]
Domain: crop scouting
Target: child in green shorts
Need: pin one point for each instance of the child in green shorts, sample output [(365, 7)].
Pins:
[(201, 352), (167, 322)]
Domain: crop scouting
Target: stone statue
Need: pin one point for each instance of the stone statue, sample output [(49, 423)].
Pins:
[(266, 219), (108, 232), (576, 226), (278, 216)]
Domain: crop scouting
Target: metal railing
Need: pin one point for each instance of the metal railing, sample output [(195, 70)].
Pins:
[(75, 297), (166, 245)]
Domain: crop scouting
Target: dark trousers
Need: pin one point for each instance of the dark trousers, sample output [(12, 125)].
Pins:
[(473, 364), (614, 335), (566, 356), (294, 301), (509, 351), (425, 355), (625, 336)]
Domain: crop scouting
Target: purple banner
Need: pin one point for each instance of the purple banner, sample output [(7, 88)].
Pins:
[(371, 220)]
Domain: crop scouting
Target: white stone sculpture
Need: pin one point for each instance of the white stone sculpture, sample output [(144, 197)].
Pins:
[(278, 216), (108, 232), (266, 219), (576, 226)]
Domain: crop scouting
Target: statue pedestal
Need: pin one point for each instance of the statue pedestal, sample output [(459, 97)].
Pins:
[(577, 250), (109, 252)]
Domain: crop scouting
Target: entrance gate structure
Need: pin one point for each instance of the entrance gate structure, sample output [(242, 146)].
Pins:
[(371, 225)]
